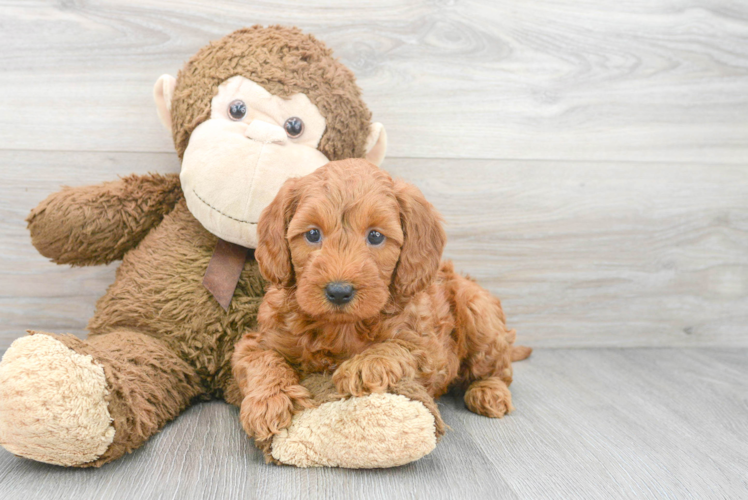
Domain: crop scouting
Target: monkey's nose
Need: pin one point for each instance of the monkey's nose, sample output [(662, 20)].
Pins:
[(339, 293), (265, 132)]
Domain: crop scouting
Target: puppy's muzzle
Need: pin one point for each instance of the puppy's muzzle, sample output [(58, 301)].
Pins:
[(339, 293)]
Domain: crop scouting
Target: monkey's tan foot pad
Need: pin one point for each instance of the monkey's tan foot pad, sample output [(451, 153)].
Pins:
[(53, 404), (375, 431)]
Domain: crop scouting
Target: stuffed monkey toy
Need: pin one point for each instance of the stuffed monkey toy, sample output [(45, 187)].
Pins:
[(246, 113)]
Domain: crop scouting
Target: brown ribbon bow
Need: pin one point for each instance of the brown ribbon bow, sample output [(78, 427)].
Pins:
[(224, 271)]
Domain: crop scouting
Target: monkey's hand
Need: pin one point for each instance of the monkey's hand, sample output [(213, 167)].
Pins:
[(97, 224)]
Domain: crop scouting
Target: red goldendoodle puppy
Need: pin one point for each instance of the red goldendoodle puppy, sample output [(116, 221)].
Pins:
[(359, 290)]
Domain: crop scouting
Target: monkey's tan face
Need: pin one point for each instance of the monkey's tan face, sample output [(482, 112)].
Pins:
[(237, 160)]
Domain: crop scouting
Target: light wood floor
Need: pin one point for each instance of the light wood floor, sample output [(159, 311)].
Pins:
[(591, 162)]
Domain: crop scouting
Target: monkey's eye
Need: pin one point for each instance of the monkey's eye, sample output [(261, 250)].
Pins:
[(237, 110), (313, 236), (375, 238), (294, 127)]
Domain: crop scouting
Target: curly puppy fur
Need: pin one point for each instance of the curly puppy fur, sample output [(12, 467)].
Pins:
[(412, 317)]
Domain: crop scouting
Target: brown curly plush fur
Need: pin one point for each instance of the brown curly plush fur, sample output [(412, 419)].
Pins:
[(128, 208), (412, 317), (147, 385), (160, 336), (285, 61)]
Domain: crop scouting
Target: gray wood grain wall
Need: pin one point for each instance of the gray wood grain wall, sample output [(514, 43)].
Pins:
[(590, 158)]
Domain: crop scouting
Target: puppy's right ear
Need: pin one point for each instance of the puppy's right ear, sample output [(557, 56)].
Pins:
[(273, 254), (422, 248)]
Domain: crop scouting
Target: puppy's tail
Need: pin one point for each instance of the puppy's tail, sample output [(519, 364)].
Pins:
[(520, 352)]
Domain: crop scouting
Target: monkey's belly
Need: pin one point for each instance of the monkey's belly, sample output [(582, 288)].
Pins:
[(158, 291)]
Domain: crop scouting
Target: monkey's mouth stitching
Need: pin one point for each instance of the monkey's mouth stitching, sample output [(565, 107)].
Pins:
[(222, 213)]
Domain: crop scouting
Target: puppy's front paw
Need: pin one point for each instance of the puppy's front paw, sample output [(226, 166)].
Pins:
[(363, 375), (264, 416)]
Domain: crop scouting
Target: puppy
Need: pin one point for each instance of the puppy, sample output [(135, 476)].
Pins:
[(358, 289)]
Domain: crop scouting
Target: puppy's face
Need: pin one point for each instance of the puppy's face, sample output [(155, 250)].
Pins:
[(347, 237)]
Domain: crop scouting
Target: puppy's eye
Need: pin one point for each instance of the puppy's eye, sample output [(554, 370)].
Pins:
[(313, 235), (294, 127), (375, 238), (237, 110)]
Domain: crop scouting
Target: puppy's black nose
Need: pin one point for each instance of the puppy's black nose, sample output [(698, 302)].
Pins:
[(339, 293)]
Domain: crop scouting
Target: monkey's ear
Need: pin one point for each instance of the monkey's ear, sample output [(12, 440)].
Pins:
[(376, 144), (163, 92)]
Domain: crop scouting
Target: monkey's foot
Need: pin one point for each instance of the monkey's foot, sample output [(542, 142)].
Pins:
[(374, 431), (53, 404)]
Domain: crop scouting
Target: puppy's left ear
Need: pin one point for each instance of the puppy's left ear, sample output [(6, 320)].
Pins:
[(423, 244), (273, 254)]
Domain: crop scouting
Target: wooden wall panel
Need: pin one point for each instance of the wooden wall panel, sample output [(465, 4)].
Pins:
[(582, 254), (603, 80)]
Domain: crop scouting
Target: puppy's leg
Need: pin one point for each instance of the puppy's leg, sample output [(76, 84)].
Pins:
[(487, 364), (270, 388), (489, 397)]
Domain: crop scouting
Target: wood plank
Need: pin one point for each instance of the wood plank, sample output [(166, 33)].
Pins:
[(600, 254), (620, 423), (591, 254), (630, 423), (605, 80)]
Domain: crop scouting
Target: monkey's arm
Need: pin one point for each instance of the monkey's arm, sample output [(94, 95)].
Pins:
[(97, 224)]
